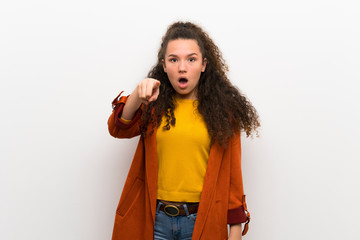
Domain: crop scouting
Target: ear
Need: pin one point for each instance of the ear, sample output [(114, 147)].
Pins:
[(164, 66), (204, 65)]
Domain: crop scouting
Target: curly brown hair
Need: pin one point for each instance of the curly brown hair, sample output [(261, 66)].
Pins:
[(224, 109)]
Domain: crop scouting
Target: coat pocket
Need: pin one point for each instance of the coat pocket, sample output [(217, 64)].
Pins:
[(130, 198)]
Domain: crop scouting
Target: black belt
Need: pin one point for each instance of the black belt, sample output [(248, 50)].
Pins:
[(178, 209)]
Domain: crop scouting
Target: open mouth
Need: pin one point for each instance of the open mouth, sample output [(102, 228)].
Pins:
[(183, 82)]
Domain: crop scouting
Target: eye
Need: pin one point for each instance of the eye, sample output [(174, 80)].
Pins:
[(172, 60), (192, 59)]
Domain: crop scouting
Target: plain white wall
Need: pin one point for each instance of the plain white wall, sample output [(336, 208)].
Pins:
[(63, 62)]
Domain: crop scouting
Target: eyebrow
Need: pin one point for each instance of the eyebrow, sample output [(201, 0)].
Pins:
[(173, 55)]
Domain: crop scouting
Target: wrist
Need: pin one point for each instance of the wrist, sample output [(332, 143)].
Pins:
[(235, 231)]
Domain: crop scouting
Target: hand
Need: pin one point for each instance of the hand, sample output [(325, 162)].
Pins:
[(148, 90), (234, 238)]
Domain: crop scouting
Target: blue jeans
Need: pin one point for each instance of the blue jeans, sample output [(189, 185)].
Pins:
[(173, 228)]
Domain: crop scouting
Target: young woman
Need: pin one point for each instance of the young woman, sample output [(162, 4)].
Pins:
[(185, 181)]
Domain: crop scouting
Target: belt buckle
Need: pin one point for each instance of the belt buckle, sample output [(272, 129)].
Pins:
[(171, 210)]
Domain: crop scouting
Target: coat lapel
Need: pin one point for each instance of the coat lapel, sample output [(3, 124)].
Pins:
[(208, 191), (151, 170)]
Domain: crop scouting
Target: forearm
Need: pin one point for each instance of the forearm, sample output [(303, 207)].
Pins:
[(131, 106), (235, 232)]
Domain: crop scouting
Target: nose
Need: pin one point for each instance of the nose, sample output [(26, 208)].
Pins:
[(182, 66)]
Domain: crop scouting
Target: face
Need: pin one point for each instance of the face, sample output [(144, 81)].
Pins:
[(184, 64)]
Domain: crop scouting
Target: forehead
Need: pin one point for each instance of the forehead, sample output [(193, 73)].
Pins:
[(182, 47)]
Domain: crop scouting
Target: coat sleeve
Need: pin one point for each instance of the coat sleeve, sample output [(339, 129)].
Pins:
[(118, 128), (237, 212)]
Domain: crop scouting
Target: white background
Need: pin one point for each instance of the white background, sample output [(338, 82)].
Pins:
[(63, 62)]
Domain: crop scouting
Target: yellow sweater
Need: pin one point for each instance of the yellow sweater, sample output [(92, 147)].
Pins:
[(183, 152)]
